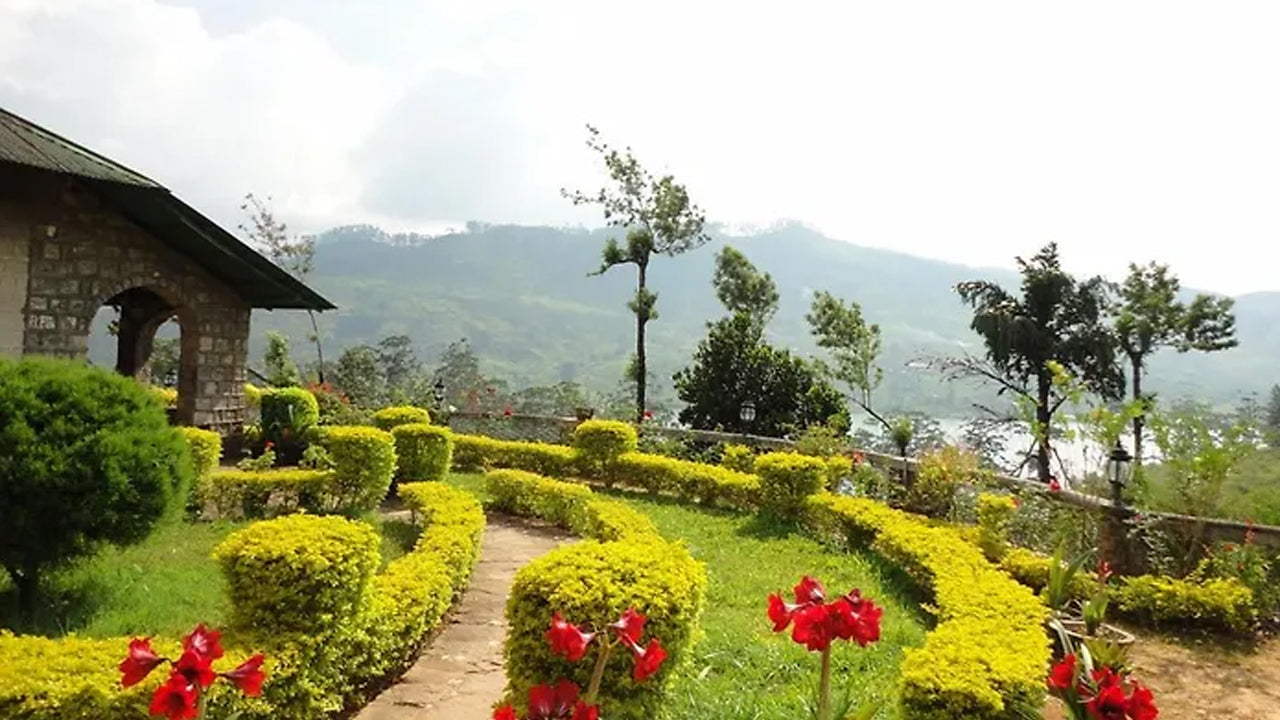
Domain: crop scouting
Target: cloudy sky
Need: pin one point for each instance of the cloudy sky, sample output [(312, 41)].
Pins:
[(968, 131)]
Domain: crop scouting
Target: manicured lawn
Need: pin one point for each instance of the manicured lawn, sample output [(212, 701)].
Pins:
[(162, 586), (741, 670)]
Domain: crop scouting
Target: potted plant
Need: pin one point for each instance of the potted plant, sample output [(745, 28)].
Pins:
[(1082, 623)]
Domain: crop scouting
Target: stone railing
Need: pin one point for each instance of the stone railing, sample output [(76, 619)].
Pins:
[(550, 429)]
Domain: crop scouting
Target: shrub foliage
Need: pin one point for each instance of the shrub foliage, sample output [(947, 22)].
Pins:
[(423, 452)]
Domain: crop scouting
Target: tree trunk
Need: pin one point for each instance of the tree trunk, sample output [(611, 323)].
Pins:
[(27, 582), (1043, 417), (1140, 421), (315, 334), (642, 370)]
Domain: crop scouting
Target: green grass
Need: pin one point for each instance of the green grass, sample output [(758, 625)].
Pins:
[(162, 586), (741, 670)]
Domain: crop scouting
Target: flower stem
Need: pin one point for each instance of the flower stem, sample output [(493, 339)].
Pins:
[(202, 702), (824, 687), (597, 675)]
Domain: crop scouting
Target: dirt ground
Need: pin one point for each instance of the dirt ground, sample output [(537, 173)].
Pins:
[(1206, 678)]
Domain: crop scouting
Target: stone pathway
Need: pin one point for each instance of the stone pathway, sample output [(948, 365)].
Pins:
[(459, 675)]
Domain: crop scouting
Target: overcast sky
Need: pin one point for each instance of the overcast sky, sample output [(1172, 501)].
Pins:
[(967, 131)]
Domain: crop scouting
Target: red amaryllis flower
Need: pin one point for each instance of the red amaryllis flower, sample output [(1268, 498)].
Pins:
[(630, 626), (204, 641), (816, 623), (505, 712), (558, 703), (195, 669), (807, 592), (1054, 485), (648, 414), (859, 458), (648, 659), (1063, 675), (567, 639), (139, 663), (1109, 703), (175, 699), (267, 446), (248, 676), (1142, 705), (507, 412), (862, 619), (1104, 571)]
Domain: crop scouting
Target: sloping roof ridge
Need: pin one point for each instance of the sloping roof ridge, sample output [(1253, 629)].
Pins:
[(136, 177)]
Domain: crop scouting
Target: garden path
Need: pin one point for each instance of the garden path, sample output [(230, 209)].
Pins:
[(459, 675)]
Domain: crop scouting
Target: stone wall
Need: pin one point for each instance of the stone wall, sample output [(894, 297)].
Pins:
[(13, 281), (82, 254)]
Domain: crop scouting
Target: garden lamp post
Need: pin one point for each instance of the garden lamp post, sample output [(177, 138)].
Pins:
[(438, 393), (1119, 464), (747, 413), (1115, 530)]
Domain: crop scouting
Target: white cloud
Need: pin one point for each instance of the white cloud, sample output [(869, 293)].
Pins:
[(964, 131)]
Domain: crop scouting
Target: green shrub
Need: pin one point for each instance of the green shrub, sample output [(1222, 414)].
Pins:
[(166, 396), (86, 457), (739, 458), (390, 417), (568, 505), (994, 515), (364, 460), (786, 479), (263, 493), (939, 475), (287, 414), (476, 452), (600, 442), (869, 481), (300, 573), (252, 396), (423, 452), (1217, 603), (988, 655), (592, 583)]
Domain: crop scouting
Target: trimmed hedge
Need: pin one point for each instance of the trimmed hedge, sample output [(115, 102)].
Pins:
[(600, 442), (571, 506), (477, 452), (786, 479), (396, 415), (1222, 604), (708, 484), (364, 461), (206, 451), (264, 493), (309, 674), (988, 655), (423, 452), (288, 413), (301, 573)]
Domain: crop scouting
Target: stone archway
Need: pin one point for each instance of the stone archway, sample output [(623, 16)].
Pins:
[(142, 310)]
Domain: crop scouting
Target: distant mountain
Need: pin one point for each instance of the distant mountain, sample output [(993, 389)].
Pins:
[(523, 297)]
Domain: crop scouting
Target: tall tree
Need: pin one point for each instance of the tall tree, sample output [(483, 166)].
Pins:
[(1149, 316), (741, 287), (280, 368), (658, 217), (1272, 417), (854, 344), (399, 364), (733, 364), (296, 254), (359, 375), (459, 370), (1057, 322)]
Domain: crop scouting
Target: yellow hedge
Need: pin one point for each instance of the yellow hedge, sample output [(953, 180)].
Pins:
[(423, 452), (364, 461), (569, 505), (476, 452), (600, 442), (708, 484), (263, 493), (397, 415), (989, 653), (787, 479), (309, 674)]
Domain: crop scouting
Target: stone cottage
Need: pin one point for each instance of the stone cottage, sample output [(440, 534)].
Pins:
[(79, 231)]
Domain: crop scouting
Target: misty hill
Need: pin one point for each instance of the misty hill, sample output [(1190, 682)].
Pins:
[(523, 297)]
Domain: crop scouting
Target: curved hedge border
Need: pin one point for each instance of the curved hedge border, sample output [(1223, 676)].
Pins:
[(624, 564), (309, 675), (989, 653)]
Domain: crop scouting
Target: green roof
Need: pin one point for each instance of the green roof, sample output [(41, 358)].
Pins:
[(261, 283)]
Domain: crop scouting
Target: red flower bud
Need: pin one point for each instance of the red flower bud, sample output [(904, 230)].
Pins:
[(648, 659)]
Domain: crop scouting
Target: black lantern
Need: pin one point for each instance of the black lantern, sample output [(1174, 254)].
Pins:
[(438, 393), (1118, 467), (747, 412)]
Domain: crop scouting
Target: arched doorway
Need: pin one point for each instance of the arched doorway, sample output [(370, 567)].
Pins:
[(144, 335)]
